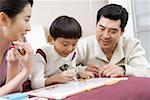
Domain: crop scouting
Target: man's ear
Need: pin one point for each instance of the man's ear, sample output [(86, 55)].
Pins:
[(3, 19)]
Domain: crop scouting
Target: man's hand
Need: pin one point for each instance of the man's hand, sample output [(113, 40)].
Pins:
[(111, 71), (86, 75), (92, 68)]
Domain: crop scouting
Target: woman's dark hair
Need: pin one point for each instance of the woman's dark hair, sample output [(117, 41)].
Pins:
[(114, 12), (13, 7), (65, 27)]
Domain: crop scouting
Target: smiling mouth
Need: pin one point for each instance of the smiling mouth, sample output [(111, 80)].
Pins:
[(106, 42)]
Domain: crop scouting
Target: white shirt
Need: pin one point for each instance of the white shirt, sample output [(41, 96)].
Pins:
[(128, 51), (42, 70)]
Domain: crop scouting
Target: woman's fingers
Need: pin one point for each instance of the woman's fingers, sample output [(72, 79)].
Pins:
[(24, 47)]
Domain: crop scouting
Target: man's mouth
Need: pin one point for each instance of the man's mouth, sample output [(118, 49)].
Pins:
[(106, 42)]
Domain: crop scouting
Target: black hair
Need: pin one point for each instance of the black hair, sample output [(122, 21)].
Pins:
[(65, 27), (13, 7), (114, 12)]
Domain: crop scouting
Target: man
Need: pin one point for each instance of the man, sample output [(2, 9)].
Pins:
[(108, 53)]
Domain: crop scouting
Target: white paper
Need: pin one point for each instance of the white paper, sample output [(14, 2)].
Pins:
[(61, 91)]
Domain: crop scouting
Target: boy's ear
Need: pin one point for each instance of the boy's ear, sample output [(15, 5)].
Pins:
[(50, 39), (3, 19)]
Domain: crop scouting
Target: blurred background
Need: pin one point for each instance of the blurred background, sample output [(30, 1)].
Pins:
[(85, 11)]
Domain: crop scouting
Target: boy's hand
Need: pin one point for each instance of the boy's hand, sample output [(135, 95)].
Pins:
[(63, 77), (86, 75)]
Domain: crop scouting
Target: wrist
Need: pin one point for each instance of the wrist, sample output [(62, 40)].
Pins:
[(51, 80), (25, 71), (13, 64), (124, 69)]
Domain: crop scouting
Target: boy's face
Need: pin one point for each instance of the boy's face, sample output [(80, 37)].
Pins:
[(64, 46)]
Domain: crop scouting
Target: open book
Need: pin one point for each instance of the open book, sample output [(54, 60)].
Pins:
[(61, 91)]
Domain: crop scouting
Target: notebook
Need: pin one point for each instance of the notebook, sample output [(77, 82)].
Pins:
[(61, 91)]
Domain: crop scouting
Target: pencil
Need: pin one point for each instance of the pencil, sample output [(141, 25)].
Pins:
[(74, 78)]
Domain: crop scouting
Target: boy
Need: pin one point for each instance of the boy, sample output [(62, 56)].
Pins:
[(56, 63)]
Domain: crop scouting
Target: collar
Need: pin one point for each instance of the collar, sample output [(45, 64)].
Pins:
[(117, 56)]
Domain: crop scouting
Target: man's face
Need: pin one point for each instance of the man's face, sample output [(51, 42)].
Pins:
[(108, 33)]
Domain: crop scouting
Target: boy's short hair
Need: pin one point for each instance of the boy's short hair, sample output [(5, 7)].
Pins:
[(114, 12), (65, 27)]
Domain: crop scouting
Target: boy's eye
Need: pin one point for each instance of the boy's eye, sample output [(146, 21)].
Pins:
[(65, 45), (75, 44)]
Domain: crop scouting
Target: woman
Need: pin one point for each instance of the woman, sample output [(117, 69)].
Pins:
[(14, 23)]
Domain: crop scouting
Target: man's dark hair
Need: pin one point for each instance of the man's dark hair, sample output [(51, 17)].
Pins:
[(114, 12)]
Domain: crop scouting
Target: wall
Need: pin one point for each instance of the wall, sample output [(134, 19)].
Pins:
[(142, 13), (129, 29), (45, 11)]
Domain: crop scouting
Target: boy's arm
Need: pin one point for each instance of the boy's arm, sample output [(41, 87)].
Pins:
[(38, 76)]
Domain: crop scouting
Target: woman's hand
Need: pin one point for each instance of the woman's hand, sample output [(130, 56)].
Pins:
[(27, 59), (14, 57), (19, 65)]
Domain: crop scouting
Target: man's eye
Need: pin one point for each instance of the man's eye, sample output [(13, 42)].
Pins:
[(101, 28), (65, 45), (113, 32)]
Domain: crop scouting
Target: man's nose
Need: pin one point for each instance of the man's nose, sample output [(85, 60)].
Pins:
[(106, 34)]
